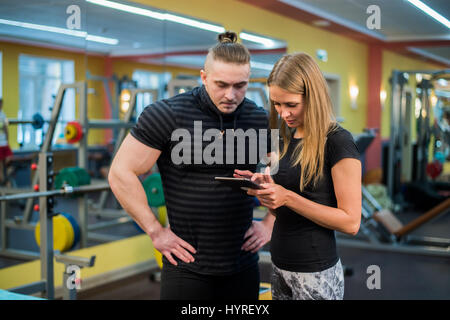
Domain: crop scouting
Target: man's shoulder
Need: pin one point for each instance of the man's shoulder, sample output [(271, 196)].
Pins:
[(173, 105), (181, 99), (178, 104)]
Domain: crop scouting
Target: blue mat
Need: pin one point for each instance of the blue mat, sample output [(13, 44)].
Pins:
[(6, 295)]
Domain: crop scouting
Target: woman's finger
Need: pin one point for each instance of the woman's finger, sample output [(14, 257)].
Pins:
[(261, 192), (243, 173), (267, 177)]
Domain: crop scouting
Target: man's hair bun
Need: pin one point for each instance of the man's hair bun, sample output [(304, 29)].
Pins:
[(227, 37)]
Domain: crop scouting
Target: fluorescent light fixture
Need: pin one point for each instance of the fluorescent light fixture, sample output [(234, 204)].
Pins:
[(90, 37), (158, 15), (194, 23), (261, 65), (251, 37), (127, 8), (432, 13), (75, 33)]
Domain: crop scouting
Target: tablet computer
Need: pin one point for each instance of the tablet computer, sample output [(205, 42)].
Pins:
[(242, 183)]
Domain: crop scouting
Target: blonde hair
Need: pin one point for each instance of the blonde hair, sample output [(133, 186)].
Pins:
[(228, 50), (299, 73)]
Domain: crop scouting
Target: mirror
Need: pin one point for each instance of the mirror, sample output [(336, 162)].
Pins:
[(115, 57)]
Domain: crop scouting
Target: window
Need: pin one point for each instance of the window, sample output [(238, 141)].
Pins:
[(150, 80), (40, 79), (258, 93), (334, 85)]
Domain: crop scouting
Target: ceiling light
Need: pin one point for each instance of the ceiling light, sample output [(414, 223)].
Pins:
[(90, 37), (251, 37), (261, 65), (442, 82), (422, 6), (75, 33), (193, 23), (321, 23), (158, 15)]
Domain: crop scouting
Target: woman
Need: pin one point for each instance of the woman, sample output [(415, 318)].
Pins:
[(317, 188)]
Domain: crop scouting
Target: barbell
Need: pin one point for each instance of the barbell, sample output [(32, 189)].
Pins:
[(73, 132), (37, 121), (66, 189)]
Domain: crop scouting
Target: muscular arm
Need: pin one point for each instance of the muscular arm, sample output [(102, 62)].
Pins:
[(133, 159)]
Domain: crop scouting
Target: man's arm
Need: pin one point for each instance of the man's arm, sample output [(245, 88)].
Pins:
[(133, 159)]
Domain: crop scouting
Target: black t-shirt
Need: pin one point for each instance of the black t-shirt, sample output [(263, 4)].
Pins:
[(299, 244), (207, 214)]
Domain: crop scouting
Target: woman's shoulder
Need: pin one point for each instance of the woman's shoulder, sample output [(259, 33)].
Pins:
[(338, 134), (341, 144)]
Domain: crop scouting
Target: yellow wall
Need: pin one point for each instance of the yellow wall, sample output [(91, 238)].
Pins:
[(95, 100)]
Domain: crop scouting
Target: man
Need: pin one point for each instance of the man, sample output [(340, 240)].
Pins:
[(210, 249)]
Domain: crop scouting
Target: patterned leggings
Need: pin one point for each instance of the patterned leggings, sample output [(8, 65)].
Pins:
[(324, 285)]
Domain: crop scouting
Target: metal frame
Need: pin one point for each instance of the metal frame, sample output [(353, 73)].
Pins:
[(87, 231), (374, 236), (46, 284), (398, 112), (24, 221)]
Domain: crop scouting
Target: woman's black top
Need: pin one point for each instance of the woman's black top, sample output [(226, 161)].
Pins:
[(298, 244)]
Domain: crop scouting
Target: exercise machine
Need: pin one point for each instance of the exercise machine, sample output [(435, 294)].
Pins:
[(380, 229), (407, 166)]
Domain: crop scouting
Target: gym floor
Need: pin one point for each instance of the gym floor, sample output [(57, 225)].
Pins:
[(403, 276)]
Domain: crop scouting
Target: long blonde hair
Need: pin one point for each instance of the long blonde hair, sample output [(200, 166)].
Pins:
[(299, 73)]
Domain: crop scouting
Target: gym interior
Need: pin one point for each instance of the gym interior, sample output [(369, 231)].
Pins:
[(75, 75)]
